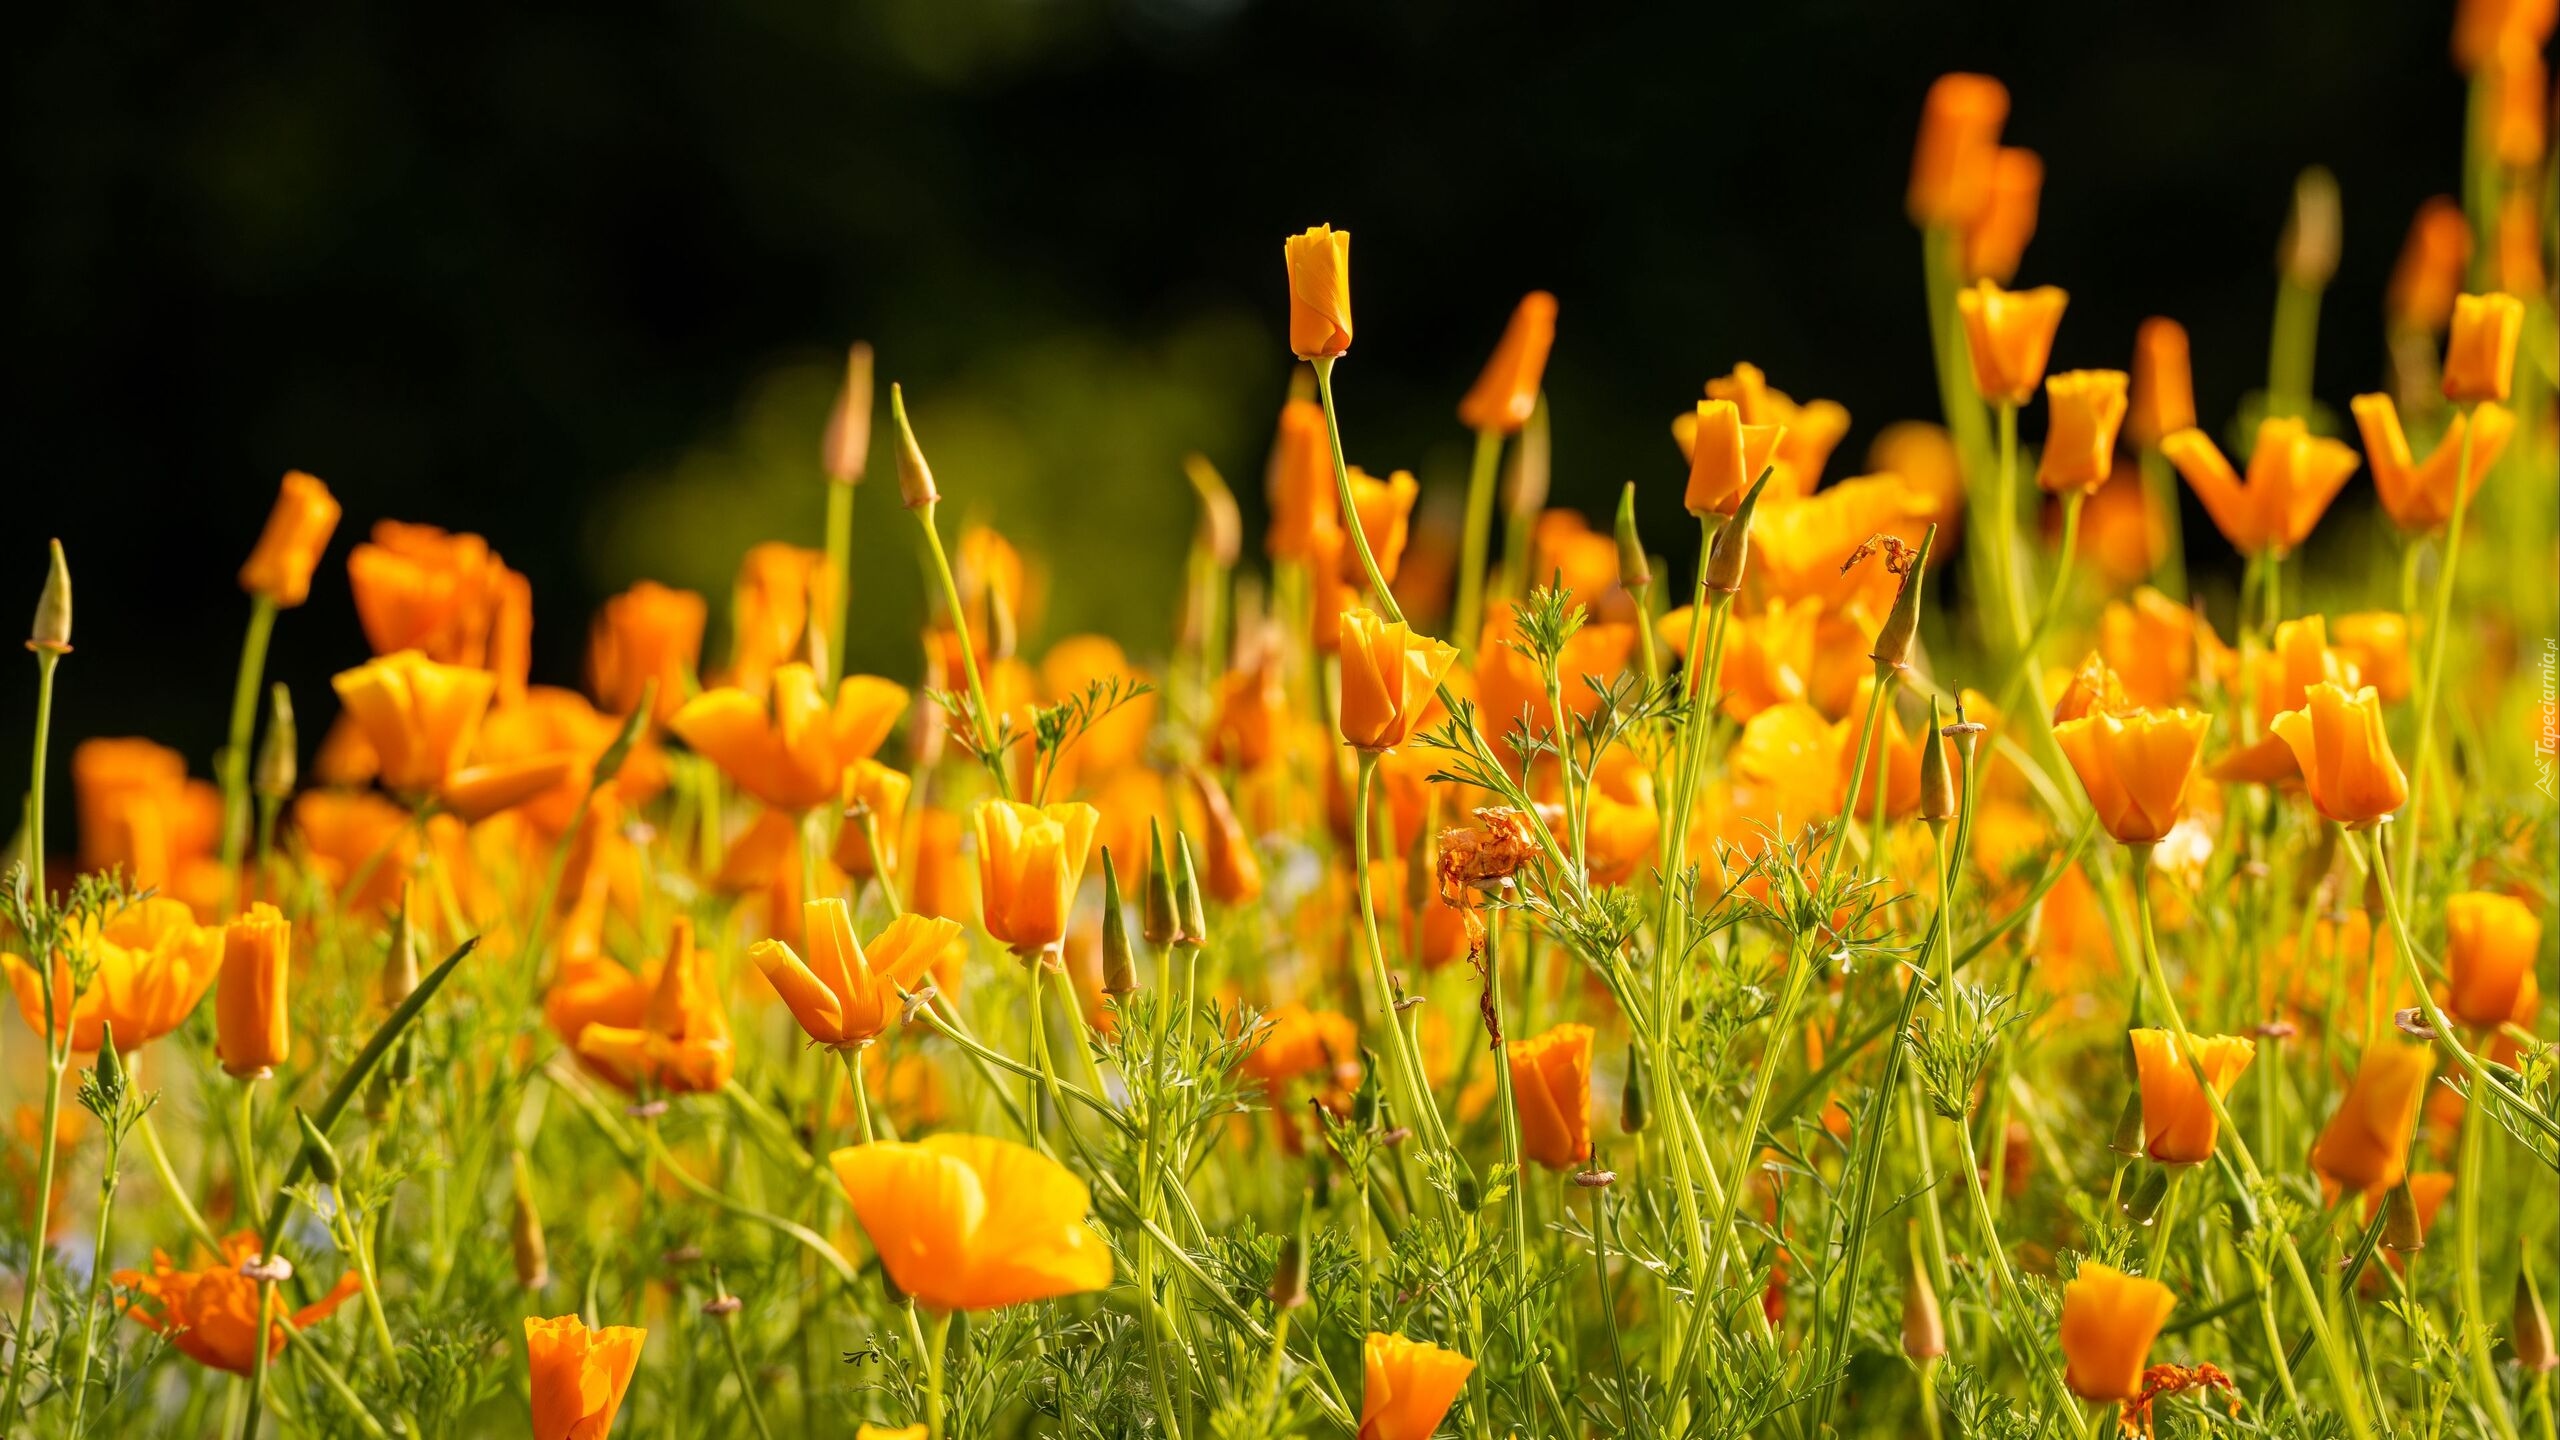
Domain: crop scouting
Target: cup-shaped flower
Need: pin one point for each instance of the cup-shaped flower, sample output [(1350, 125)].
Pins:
[(1507, 391), (1951, 167), (2085, 408), (2490, 943), (969, 1222), (1997, 239), (2418, 495), (2164, 386), (2135, 767), (648, 632), (790, 747), (2010, 335), (875, 800), (579, 1375), (1030, 860), (446, 595), (252, 1023), (1299, 483), (1384, 509), (1407, 1387), (419, 715), (846, 993), (289, 548), (210, 1312), (154, 962), (682, 1042), (2293, 475), (1389, 675), (2109, 1320), (2338, 739), (1725, 456), (2480, 349), (2177, 1121), (1551, 1087), (2365, 1145), (1319, 293)]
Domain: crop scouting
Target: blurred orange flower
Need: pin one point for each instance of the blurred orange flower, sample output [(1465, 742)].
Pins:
[(1407, 1387), (579, 1375), (2419, 496), (968, 1222), (210, 1312), (2109, 1320), (2365, 1145), (2009, 334), (1551, 1086), (289, 548), (1507, 391), (2293, 475), (2345, 753)]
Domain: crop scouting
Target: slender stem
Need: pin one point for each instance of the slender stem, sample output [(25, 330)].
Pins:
[(738, 1360), (2489, 1396), (175, 1192), (840, 565), (1417, 1085), (1469, 616), (937, 1338), (56, 1051), (235, 753), (983, 716), (2160, 497), (2431, 688), (2072, 504), (1519, 1204), (861, 1094), (1342, 488), (97, 1276)]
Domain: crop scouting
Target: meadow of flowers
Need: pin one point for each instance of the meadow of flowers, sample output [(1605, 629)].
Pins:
[(1916, 958)]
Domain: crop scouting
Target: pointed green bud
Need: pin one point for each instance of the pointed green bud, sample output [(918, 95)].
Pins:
[(1289, 1275), (1893, 640), (316, 1149), (1732, 552), (2403, 1228), (2144, 1206), (1634, 568), (279, 750), (110, 1063), (1937, 777), (845, 447), (915, 478), (1635, 1111), (52, 630), (1119, 962), (1160, 921), (1195, 915)]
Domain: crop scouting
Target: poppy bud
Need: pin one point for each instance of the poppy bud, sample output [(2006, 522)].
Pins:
[(109, 1066), (1924, 1331), (2403, 1228), (2307, 255), (1506, 394), (1530, 467), (1893, 639), (317, 1152), (1951, 168), (1161, 920), (2144, 1203), (1119, 964), (277, 752), (524, 1231), (2164, 386), (1195, 916), (1289, 1276), (2479, 363), (1634, 569), (1732, 552), (845, 449), (2128, 1137), (1319, 292), (915, 477), (289, 548), (400, 959), (253, 1029), (1937, 777), (2529, 1330), (52, 630), (1634, 1110)]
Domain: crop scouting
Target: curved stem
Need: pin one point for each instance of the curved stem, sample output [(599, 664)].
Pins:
[(1342, 489), (235, 753), (1469, 616)]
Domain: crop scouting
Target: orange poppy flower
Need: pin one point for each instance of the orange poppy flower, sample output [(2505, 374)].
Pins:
[(1997, 239), (1810, 431), (1507, 391), (1799, 546), (847, 993), (2428, 273), (2009, 334), (579, 1375), (1512, 695), (1407, 1387), (1551, 1086), (1725, 457), (2375, 644), (354, 838), (154, 963), (2298, 659), (2365, 1145), (2345, 753), (2177, 1121), (2480, 349), (968, 1222), (2490, 944), (1030, 860), (1951, 169), (140, 813), (419, 715), (1299, 482), (778, 588), (1319, 292), (448, 596), (210, 1312), (2085, 406), (2164, 387), (2158, 648), (2293, 475), (682, 1041), (1385, 510), (648, 632), (2109, 1320), (791, 748), (1252, 710), (1389, 674), (253, 1024), (289, 548), (875, 801), (1621, 821), (2135, 767), (1231, 875), (1297, 1043), (2419, 496), (550, 724)]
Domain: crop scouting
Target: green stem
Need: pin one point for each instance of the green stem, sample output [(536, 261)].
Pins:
[(2466, 1240), (235, 754), (937, 1339), (2430, 690), (1469, 617), (840, 564), (1417, 1085), (983, 716), (1342, 488)]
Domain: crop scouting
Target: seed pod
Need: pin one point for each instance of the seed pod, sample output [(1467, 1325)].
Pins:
[(279, 749), (1924, 1330), (2403, 1228), (1634, 1110), (1893, 639), (1937, 777), (1160, 921), (52, 629), (915, 477), (845, 447), (2529, 1329), (1289, 1276), (1634, 568), (316, 1149), (1525, 478), (1119, 964), (1732, 552), (2307, 255), (524, 1231), (400, 957)]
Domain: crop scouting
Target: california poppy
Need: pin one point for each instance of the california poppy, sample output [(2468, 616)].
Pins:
[(2419, 495), (2365, 1145), (1725, 457), (579, 1375), (2480, 349), (1951, 168), (1030, 860), (253, 1024), (2086, 407), (846, 993), (2009, 333), (2293, 475), (1389, 674), (2164, 388), (1384, 509), (648, 632), (790, 748), (682, 1041), (448, 596), (2109, 1320), (1507, 391), (420, 715), (875, 799), (968, 1222), (1407, 1387), (210, 1312), (2135, 767), (1551, 1088), (289, 548), (2345, 753), (1319, 292), (154, 962), (1299, 482), (2177, 1121), (2491, 942), (1997, 239)]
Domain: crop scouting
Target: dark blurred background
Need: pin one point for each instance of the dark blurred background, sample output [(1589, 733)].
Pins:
[(578, 277)]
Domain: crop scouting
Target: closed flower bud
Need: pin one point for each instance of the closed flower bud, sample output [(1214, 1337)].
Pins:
[(1732, 552), (317, 1152), (1726, 457), (1951, 168), (52, 630), (400, 957), (1119, 962), (2529, 1329), (253, 1025), (2009, 334), (2403, 1228), (1507, 391), (109, 1066), (1289, 1274), (1319, 292), (2479, 353), (1997, 239), (1924, 1330), (1902, 623), (2307, 254), (2164, 386), (1186, 888), (915, 477), (845, 449), (1937, 776), (2084, 408), (524, 1231), (1161, 919), (277, 752), (1634, 1110), (1634, 568), (289, 548)]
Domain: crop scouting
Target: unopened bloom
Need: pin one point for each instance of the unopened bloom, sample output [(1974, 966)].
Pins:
[(2480, 351), (2085, 407), (2135, 767), (1725, 456), (682, 1041), (648, 632), (2419, 495), (2365, 1145), (2428, 273), (1299, 482), (1407, 1387), (2009, 334), (969, 1222), (154, 962), (1508, 389), (1951, 168), (1030, 859), (875, 799), (1319, 292), (210, 1312), (1389, 675), (2177, 1119), (2109, 1320), (579, 1375), (2164, 386), (2293, 475), (298, 530), (2345, 753), (1997, 239), (2490, 944), (253, 1025), (790, 748), (1551, 1088)]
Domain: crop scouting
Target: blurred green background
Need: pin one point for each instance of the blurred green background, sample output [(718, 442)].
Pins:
[(578, 277)]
